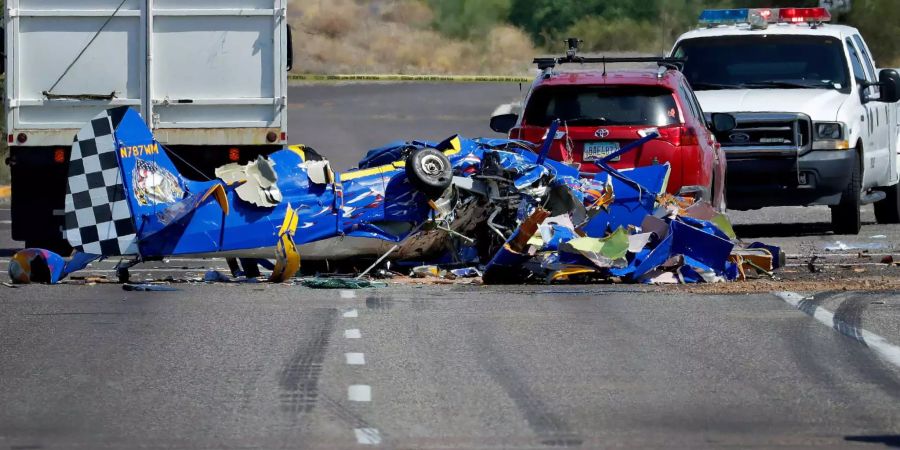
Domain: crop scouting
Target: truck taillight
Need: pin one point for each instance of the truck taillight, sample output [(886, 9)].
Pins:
[(10, 139), (272, 137), (59, 155), (283, 136), (234, 154), (22, 138)]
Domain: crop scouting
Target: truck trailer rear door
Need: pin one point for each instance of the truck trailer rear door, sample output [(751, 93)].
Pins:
[(217, 65), (52, 90)]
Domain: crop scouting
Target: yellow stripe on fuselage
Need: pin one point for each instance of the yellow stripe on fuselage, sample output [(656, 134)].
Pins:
[(457, 147), (397, 165), (299, 150), (373, 171)]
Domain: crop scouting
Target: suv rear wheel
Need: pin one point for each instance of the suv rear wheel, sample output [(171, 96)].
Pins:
[(845, 217), (888, 210)]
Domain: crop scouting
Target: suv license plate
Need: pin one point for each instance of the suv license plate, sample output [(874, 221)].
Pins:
[(599, 150)]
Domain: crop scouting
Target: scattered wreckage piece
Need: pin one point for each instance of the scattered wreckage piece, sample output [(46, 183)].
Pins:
[(642, 235), (33, 265)]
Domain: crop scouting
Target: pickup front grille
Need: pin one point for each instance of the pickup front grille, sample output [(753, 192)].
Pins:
[(763, 131)]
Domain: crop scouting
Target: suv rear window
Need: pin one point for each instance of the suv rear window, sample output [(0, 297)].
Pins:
[(602, 105)]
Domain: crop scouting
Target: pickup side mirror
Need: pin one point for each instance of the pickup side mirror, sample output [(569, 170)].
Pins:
[(889, 81), (722, 122), (504, 122), (505, 117)]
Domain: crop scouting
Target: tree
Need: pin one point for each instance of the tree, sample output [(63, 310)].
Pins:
[(469, 18), (879, 22)]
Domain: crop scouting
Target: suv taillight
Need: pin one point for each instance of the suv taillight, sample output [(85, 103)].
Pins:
[(679, 136)]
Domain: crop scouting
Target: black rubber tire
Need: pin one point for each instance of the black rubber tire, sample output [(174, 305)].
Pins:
[(845, 217), (123, 275), (888, 210), (429, 170), (713, 194)]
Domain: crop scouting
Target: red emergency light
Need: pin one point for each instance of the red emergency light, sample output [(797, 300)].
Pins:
[(800, 15)]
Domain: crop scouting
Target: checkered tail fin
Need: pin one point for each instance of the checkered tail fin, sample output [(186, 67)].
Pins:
[(118, 176)]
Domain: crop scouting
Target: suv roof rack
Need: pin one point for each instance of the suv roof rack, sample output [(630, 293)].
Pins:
[(572, 57)]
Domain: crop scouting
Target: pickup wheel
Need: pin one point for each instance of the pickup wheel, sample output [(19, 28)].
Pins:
[(888, 210), (430, 171), (845, 217)]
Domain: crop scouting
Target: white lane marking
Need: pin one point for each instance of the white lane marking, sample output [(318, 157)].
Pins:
[(355, 359), (5, 222), (367, 436), (348, 294), (887, 351), (359, 393), (352, 334), (351, 314)]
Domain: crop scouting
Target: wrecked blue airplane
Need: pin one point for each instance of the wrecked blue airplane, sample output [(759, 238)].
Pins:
[(529, 218)]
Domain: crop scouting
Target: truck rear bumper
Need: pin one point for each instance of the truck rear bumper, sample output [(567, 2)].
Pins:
[(816, 178)]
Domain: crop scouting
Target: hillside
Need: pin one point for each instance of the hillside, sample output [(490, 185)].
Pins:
[(396, 36)]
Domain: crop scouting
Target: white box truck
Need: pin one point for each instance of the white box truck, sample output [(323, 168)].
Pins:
[(209, 77)]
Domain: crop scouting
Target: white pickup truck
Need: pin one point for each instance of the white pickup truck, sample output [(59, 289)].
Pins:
[(209, 76), (817, 123)]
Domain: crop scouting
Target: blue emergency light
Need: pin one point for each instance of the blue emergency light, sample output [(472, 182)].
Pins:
[(724, 16)]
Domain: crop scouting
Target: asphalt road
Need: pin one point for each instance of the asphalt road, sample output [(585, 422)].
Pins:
[(263, 366), (253, 366)]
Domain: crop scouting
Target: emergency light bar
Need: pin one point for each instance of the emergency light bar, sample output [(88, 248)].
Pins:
[(761, 17)]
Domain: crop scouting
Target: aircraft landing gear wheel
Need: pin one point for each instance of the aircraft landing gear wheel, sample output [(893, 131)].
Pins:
[(123, 275), (430, 172)]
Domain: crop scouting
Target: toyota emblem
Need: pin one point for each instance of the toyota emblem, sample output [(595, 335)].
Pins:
[(602, 133)]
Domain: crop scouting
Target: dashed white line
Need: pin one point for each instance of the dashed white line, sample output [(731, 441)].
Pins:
[(367, 436), (355, 359), (887, 351), (352, 334), (359, 393)]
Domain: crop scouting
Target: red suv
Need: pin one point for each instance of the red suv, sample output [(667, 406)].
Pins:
[(602, 111)]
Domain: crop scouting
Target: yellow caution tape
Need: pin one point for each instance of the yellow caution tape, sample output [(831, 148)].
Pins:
[(5, 191), (446, 78)]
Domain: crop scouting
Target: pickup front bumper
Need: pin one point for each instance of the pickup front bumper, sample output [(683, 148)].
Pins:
[(815, 178)]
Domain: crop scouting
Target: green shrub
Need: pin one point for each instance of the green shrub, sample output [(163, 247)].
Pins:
[(616, 35)]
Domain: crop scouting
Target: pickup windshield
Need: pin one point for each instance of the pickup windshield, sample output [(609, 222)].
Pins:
[(602, 105), (764, 62)]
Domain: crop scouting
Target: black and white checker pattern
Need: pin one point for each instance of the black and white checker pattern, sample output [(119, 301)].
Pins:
[(98, 219)]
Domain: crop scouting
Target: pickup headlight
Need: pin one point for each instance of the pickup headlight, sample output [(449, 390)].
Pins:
[(829, 130), (829, 136)]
